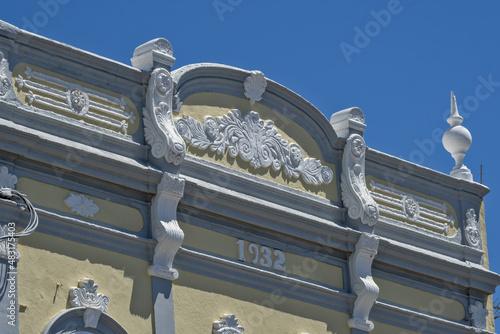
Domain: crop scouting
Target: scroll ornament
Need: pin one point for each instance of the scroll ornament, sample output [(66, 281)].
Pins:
[(159, 128), (472, 234), (355, 194), (255, 141)]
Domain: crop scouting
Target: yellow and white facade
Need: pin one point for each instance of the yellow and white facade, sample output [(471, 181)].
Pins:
[(211, 199)]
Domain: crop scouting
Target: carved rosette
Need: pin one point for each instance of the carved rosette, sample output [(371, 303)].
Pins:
[(81, 205), (228, 324), (472, 234), (478, 314), (86, 295), (363, 285), (166, 230), (255, 141), (159, 128), (355, 195), (255, 85)]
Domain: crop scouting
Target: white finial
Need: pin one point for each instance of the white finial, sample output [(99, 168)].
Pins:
[(457, 141)]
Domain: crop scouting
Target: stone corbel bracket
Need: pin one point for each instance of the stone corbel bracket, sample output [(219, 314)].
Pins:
[(165, 228), (6, 89), (355, 195), (159, 127), (363, 285)]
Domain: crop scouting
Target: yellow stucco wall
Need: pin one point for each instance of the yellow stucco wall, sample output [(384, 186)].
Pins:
[(439, 305), (109, 213), (201, 300), (48, 260), (200, 105), (490, 319)]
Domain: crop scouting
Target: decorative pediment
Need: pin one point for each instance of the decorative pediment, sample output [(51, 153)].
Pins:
[(255, 141)]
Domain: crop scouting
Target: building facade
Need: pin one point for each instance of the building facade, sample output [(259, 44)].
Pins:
[(211, 199)]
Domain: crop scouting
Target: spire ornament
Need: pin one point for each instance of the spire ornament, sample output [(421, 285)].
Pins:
[(457, 140)]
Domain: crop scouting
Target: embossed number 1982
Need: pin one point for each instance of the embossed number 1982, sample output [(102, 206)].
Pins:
[(262, 255)]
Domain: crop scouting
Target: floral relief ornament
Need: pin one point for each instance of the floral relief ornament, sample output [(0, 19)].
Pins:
[(86, 295), (81, 205), (228, 324), (255, 141), (255, 85)]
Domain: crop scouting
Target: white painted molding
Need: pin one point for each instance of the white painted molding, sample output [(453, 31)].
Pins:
[(7, 180), (255, 85), (457, 140), (348, 121), (363, 285), (159, 128), (92, 105), (479, 314), (255, 141), (155, 53), (355, 195), (228, 324), (165, 228), (81, 205), (86, 295), (472, 234)]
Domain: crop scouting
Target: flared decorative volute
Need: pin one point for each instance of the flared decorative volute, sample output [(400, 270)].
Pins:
[(457, 140)]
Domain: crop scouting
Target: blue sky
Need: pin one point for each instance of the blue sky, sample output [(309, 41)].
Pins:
[(399, 70)]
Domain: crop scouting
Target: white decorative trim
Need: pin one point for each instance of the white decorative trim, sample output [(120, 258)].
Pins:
[(228, 324), (355, 195), (363, 285), (153, 54), (255, 141), (8, 246), (348, 121), (479, 314), (472, 234), (159, 129), (457, 140), (7, 180), (255, 85), (85, 295), (81, 205), (437, 219), (166, 230), (92, 105)]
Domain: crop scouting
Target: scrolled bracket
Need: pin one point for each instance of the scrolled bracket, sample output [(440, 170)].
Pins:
[(355, 194), (159, 127), (165, 228), (363, 285)]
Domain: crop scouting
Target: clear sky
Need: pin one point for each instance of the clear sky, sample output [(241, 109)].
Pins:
[(396, 60)]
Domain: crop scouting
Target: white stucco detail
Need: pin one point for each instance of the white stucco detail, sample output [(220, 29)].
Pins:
[(7, 180), (356, 197), (5, 79), (165, 228), (363, 285), (81, 205), (457, 140), (255, 141), (472, 234), (228, 324), (159, 128), (478, 314), (86, 295), (255, 85)]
